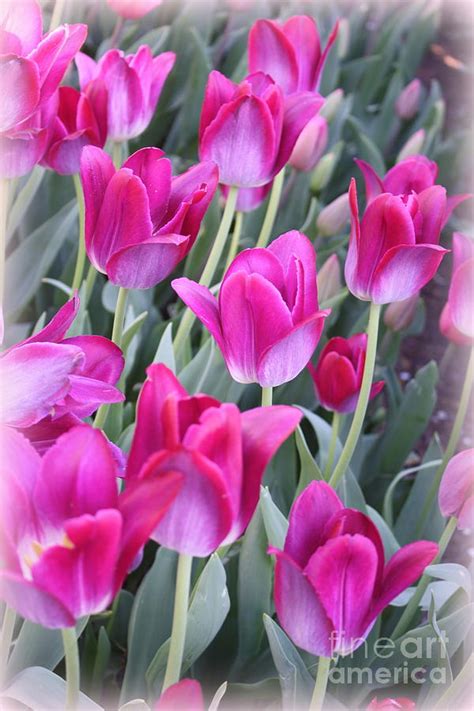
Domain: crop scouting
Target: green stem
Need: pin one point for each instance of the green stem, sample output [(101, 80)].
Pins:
[(267, 396), (81, 248), (320, 686), (115, 39), (180, 615), (71, 653), (272, 209), (90, 281), (364, 396), (410, 610), (187, 319), (234, 244), (117, 154), (336, 421), (8, 626), (450, 447)]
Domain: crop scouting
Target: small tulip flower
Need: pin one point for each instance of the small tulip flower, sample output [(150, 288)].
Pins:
[(186, 694), (338, 375), (331, 579), (133, 9), (266, 321), (140, 221), (456, 491), (457, 317), (221, 453), (329, 279), (408, 102), (333, 218), (310, 146)]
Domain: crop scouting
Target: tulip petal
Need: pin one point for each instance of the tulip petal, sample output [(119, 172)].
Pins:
[(97, 170), (160, 69), (451, 204), (271, 52), (19, 79), (202, 303), (300, 108), (293, 249), (461, 298), (303, 35), (414, 174), (196, 187), (34, 603), (336, 382), (127, 115), (463, 249), (86, 68), (323, 57), (258, 261), (19, 153), (57, 328), (373, 184), (219, 91), (456, 484), (22, 18), (103, 359), (154, 170), (432, 208), (186, 694), (249, 199)]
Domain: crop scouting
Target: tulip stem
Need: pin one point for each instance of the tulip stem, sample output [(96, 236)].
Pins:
[(267, 396), (451, 446), (410, 610), (188, 317), (272, 209), (117, 154), (90, 281), (8, 627), (180, 615), (336, 421), (364, 396), (234, 244), (71, 653), (81, 247), (57, 14), (320, 686)]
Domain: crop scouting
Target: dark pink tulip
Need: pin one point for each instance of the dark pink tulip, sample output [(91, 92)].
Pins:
[(266, 321), (134, 83), (140, 221), (250, 129), (249, 199), (331, 580), (81, 120), (401, 703), (221, 453), (51, 375), (338, 375), (186, 694), (311, 144), (67, 538), (393, 252), (456, 491), (457, 317), (289, 52), (133, 9)]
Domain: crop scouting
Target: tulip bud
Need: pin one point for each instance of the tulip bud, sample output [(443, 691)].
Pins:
[(333, 218), (323, 172), (400, 314), (401, 703), (408, 102), (329, 279), (455, 491), (133, 9), (343, 38), (413, 146), (310, 145), (331, 104)]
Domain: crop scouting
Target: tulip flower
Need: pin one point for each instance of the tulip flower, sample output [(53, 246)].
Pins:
[(266, 321), (338, 375), (333, 218), (140, 221), (67, 537), (134, 83), (49, 375), (248, 199), (310, 146), (399, 315), (289, 52), (221, 453), (186, 694), (250, 129), (408, 102), (393, 252), (456, 491), (329, 279), (133, 9), (401, 703), (81, 120), (331, 579), (457, 321)]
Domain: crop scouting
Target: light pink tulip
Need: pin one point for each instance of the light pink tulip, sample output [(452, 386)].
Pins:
[(456, 491), (408, 102), (399, 315), (457, 317), (310, 146), (133, 9)]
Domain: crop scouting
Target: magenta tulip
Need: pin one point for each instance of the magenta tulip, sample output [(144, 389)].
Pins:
[(408, 101), (457, 319), (266, 321), (249, 199), (185, 695), (393, 252), (401, 703), (331, 580), (140, 221), (67, 538), (250, 129), (221, 453), (289, 52), (134, 84), (133, 9), (311, 144), (338, 375), (456, 491)]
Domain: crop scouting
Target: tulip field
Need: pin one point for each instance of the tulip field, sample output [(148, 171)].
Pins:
[(230, 232)]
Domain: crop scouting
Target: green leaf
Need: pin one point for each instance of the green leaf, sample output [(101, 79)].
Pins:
[(452, 572), (389, 541), (276, 525), (101, 660), (165, 352), (132, 330), (309, 470), (38, 688), (24, 199), (389, 495), (366, 148)]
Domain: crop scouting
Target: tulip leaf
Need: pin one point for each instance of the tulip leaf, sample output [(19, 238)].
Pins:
[(165, 352), (133, 329), (39, 688), (309, 470), (389, 541), (453, 573), (276, 525), (24, 199)]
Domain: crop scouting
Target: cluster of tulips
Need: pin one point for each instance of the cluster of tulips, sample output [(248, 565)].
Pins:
[(76, 510)]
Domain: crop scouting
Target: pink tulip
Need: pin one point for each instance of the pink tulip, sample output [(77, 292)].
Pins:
[(185, 695), (249, 199), (67, 538), (250, 129), (49, 375), (401, 703), (408, 102), (331, 580), (133, 9), (267, 321), (456, 491), (310, 146), (457, 320), (221, 453), (140, 221), (81, 120), (393, 252), (338, 375), (289, 52), (134, 83)]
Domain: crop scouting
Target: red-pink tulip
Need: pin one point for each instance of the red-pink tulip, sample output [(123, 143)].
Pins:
[(221, 453), (81, 120), (393, 252), (140, 221), (67, 538), (186, 695), (456, 491), (133, 9), (311, 144), (331, 580), (134, 83), (408, 102), (457, 317), (338, 375), (289, 52), (401, 703), (267, 321), (250, 129)]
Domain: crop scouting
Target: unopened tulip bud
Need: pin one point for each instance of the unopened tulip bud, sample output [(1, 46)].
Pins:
[(333, 218), (455, 492), (323, 172), (399, 315), (133, 9), (343, 38), (408, 103), (329, 279), (332, 104), (310, 145), (413, 146)]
